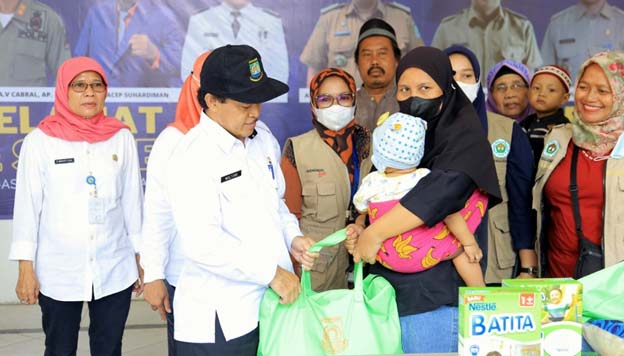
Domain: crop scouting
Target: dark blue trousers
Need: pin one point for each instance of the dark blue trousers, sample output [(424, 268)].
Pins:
[(246, 345), (170, 339), (61, 323)]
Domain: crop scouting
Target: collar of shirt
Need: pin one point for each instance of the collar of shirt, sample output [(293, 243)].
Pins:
[(380, 12), (5, 19), (474, 19), (390, 93), (606, 11), (129, 13), (225, 140), (245, 10), (618, 150)]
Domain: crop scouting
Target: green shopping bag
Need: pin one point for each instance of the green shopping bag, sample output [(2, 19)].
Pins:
[(361, 321), (603, 294)]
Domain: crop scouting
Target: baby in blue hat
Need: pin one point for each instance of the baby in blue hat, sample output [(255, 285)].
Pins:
[(398, 147)]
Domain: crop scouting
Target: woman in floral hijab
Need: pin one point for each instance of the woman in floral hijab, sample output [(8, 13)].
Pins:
[(581, 173)]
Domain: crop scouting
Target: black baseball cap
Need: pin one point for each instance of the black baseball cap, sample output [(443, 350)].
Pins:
[(236, 72)]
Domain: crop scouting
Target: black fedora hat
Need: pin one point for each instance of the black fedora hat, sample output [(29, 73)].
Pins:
[(236, 72)]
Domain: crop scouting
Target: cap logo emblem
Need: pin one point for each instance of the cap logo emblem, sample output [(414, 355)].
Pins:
[(255, 70)]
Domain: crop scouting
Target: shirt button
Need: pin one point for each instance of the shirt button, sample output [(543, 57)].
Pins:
[(92, 237), (91, 259)]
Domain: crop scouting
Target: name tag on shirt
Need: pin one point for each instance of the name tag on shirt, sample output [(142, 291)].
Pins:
[(96, 210), (567, 41), (63, 160), (231, 176)]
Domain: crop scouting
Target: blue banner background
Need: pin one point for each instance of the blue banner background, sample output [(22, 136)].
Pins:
[(284, 119)]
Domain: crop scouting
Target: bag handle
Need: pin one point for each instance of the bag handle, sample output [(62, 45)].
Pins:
[(331, 240), (573, 189)]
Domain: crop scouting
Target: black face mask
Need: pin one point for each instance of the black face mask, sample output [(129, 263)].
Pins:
[(426, 109)]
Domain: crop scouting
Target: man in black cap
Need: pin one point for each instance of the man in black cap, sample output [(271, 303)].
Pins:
[(225, 187), (377, 55)]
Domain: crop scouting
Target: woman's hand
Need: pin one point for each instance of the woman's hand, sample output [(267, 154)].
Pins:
[(367, 246), (474, 253), (299, 249), (27, 288), (138, 285), (353, 233)]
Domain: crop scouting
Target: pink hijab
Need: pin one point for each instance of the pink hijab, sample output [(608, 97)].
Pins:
[(67, 125)]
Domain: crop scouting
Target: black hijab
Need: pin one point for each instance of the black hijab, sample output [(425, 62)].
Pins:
[(455, 139), (479, 103)]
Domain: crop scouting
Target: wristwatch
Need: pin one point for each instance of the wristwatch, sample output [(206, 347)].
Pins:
[(529, 270)]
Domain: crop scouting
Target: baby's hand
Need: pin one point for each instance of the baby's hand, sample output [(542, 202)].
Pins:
[(474, 253), (353, 233)]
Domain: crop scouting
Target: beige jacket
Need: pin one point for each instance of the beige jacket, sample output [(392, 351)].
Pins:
[(555, 149)]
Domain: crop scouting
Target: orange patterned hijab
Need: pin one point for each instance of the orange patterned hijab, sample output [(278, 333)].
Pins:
[(340, 141)]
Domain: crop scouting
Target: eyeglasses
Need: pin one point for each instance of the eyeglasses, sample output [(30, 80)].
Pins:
[(515, 86), (79, 87), (325, 100)]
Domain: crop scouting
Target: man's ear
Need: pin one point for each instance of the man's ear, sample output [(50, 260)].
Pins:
[(210, 100)]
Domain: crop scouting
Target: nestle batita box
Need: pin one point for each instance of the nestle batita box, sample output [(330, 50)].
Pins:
[(498, 321), (561, 313)]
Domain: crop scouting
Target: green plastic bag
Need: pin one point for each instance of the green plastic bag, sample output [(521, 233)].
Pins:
[(603, 294), (361, 321)]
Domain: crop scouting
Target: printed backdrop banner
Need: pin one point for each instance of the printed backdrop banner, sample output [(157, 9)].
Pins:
[(143, 87)]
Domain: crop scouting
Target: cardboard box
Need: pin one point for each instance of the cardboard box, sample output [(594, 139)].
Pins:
[(561, 313), (499, 321)]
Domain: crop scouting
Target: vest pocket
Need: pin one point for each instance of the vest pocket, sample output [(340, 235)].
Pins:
[(503, 247), (327, 203), (620, 215), (325, 258)]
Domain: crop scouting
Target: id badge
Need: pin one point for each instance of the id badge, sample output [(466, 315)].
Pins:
[(96, 210)]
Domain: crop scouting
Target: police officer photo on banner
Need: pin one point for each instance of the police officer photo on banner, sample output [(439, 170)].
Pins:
[(580, 31), (32, 41), (333, 41), (238, 22), (138, 42), (492, 32)]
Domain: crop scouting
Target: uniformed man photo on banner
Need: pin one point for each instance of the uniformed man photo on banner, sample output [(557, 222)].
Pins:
[(32, 43), (492, 32), (138, 42), (335, 36), (580, 31), (237, 22)]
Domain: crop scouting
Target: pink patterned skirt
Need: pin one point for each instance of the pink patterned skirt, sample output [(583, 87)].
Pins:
[(424, 247)]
